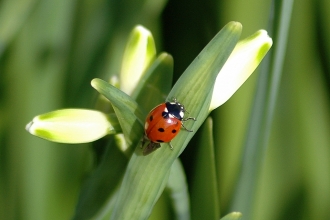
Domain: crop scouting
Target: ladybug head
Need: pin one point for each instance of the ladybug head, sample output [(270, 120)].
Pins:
[(174, 109)]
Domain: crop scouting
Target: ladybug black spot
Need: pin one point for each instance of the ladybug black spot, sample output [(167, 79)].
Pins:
[(173, 131), (161, 129), (165, 115), (151, 118), (160, 141)]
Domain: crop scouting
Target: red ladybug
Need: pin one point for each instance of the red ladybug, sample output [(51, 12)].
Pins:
[(163, 123)]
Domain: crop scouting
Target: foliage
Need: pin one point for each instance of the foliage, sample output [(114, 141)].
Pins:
[(51, 50)]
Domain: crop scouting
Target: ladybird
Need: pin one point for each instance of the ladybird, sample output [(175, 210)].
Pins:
[(163, 123)]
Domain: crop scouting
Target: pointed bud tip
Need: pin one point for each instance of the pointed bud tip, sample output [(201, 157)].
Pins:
[(28, 126), (141, 29), (263, 34)]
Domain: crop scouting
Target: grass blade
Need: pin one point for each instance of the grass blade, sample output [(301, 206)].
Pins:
[(262, 113), (204, 188), (178, 191)]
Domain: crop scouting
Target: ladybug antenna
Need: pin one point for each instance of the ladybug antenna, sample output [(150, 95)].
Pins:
[(189, 118), (174, 100)]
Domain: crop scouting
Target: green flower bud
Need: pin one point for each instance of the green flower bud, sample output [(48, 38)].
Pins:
[(71, 126)]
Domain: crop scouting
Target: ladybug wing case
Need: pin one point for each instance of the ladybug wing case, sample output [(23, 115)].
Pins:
[(161, 133), (164, 130)]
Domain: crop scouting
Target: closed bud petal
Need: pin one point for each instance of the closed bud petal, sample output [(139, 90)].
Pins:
[(244, 59), (139, 53), (71, 126)]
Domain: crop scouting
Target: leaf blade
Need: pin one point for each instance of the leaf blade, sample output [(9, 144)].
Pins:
[(148, 175), (129, 115)]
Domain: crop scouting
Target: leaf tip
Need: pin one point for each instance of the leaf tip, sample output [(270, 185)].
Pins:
[(235, 25), (232, 216), (95, 83)]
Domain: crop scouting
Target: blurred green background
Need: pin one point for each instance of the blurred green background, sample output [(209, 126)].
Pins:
[(51, 50)]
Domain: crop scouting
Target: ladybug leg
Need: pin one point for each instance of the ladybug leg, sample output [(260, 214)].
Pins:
[(186, 128), (186, 119), (171, 146)]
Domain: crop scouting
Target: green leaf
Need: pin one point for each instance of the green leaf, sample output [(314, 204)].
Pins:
[(13, 15), (155, 83), (129, 114), (178, 191), (146, 176), (101, 183), (204, 188), (195, 87), (232, 216)]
